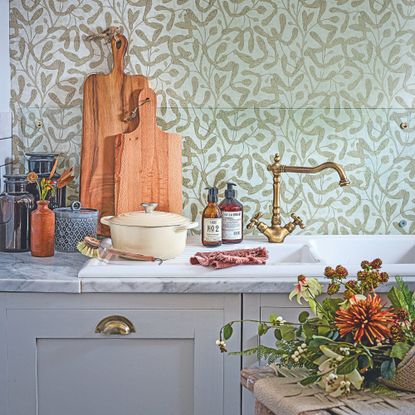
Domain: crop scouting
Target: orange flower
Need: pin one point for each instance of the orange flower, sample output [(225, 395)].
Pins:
[(365, 320), (32, 177)]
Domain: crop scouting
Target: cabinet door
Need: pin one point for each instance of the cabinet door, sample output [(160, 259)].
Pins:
[(259, 307), (3, 358), (59, 365)]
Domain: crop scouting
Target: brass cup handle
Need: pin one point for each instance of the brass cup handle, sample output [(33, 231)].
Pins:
[(115, 325), (254, 220), (297, 221)]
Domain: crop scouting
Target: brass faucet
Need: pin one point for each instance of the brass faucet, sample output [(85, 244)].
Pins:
[(277, 233)]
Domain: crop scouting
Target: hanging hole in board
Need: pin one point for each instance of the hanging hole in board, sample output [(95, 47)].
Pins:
[(402, 223), (118, 44), (134, 112)]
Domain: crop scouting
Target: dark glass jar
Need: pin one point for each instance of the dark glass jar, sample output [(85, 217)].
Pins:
[(59, 200), (41, 162), (16, 203)]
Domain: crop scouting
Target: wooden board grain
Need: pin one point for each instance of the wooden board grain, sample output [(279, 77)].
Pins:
[(148, 163), (108, 100)]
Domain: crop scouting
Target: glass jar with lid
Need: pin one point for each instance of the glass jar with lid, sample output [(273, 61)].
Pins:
[(16, 203)]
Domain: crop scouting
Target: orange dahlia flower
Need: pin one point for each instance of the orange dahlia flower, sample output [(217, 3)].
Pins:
[(365, 319)]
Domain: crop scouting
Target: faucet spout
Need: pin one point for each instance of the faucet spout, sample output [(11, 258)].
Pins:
[(344, 181), (276, 233)]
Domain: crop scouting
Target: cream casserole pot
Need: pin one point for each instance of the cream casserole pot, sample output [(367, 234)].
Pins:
[(151, 233)]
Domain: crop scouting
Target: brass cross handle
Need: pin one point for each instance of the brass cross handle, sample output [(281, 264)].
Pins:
[(297, 221), (254, 220)]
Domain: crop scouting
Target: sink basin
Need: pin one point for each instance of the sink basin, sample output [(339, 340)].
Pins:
[(354, 249), (284, 260), (299, 254), (396, 251), (291, 254)]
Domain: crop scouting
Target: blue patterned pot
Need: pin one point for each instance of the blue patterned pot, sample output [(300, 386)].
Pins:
[(72, 225)]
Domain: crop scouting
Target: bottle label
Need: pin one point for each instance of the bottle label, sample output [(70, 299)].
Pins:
[(212, 229), (232, 225)]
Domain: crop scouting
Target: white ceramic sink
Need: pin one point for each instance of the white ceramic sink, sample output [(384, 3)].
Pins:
[(353, 249), (296, 253), (284, 260), (307, 255), (396, 251)]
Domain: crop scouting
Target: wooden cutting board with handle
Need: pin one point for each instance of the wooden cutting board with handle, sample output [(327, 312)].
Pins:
[(108, 101), (148, 163)]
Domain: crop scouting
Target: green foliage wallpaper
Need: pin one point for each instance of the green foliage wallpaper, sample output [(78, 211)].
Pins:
[(316, 80)]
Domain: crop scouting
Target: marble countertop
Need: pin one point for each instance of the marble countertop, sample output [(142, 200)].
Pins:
[(22, 272), (74, 273)]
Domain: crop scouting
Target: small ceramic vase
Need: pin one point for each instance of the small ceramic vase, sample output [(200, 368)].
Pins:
[(42, 230)]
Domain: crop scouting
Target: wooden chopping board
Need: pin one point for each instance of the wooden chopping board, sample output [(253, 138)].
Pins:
[(108, 100), (148, 163)]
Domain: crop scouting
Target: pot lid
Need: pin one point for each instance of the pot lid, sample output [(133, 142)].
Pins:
[(76, 211), (149, 218), (15, 177), (41, 155)]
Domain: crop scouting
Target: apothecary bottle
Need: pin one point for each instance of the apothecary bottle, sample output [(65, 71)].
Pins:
[(212, 220), (16, 203), (232, 217)]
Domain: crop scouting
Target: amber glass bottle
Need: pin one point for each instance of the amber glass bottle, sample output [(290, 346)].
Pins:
[(212, 220), (232, 217)]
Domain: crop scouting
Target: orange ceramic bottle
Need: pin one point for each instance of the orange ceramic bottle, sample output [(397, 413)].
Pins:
[(42, 230)]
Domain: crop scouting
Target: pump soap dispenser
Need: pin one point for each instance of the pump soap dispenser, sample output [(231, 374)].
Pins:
[(232, 217), (212, 220)]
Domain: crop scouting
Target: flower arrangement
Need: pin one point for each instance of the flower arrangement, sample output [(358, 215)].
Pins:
[(348, 340), (47, 186)]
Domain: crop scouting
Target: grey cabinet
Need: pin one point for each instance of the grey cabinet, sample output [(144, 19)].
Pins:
[(3, 358), (259, 307), (57, 363)]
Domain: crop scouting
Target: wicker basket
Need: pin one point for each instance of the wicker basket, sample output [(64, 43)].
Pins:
[(404, 378)]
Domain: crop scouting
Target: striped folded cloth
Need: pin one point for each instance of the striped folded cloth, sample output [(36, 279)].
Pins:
[(226, 259)]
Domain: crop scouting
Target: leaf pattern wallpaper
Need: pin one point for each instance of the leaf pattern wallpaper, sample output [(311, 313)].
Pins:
[(316, 80)]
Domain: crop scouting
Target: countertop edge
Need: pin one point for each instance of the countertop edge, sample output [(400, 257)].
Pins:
[(40, 286), (201, 286), (19, 272)]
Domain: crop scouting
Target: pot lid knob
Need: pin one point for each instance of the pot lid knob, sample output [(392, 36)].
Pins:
[(76, 206), (149, 207)]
